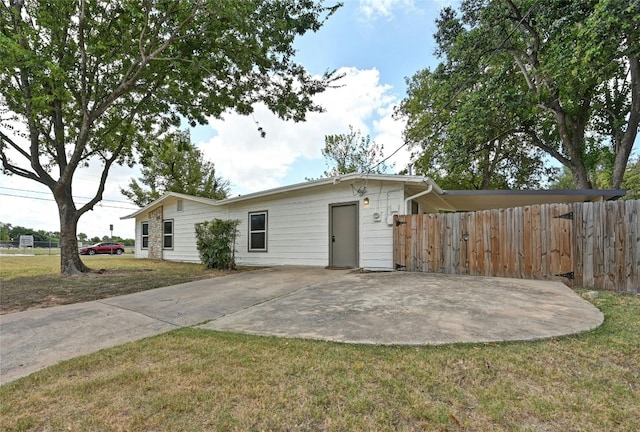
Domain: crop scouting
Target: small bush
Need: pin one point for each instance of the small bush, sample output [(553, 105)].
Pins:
[(216, 241)]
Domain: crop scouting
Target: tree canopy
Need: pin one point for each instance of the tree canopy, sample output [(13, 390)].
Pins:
[(631, 180), (175, 165), (89, 81), (521, 81), (352, 152)]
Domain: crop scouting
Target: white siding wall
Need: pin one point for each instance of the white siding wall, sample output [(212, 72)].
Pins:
[(298, 225)]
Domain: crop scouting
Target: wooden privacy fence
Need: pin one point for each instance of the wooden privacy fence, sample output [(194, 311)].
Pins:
[(589, 245)]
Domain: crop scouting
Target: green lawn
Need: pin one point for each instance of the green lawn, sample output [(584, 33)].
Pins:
[(193, 379), (35, 281)]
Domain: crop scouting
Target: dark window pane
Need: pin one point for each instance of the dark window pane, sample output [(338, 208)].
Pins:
[(145, 229), (258, 241), (145, 242), (258, 222), (168, 227), (168, 241)]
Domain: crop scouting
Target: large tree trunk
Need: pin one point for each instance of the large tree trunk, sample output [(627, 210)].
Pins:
[(624, 147), (580, 176), (70, 262), (571, 132)]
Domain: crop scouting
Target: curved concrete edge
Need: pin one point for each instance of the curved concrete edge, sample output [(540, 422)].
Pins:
[(37, 338), (419, 309), (394, 308)]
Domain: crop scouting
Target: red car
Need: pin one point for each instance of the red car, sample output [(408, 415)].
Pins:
[(103, 248)]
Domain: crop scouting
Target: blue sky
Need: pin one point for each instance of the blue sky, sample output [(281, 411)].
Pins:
[(396, 40), (375, 43)]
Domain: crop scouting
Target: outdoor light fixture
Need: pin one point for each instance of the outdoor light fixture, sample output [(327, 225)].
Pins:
[(366, 201)]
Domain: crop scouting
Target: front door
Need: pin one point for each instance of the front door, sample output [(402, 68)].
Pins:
[(343, 235)]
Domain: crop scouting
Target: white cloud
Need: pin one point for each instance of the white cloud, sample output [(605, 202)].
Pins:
[(240, 155), (253, 163), (372, 9), (388, 132)]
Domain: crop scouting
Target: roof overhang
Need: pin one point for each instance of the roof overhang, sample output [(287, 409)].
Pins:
[(416, 182), (433, 201), (151, 206), (476, 200)]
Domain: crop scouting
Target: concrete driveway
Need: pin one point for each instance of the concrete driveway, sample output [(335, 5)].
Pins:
[(308, 302)]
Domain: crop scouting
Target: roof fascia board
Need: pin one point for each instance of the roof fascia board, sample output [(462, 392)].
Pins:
[(334, 180), (295, 187), (158, 201), (612, 193)]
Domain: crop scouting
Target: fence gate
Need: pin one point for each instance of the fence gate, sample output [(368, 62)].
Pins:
[(533, 242), (589, 245)]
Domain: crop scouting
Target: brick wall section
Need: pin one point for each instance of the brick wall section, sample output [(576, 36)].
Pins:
[(155, 233)]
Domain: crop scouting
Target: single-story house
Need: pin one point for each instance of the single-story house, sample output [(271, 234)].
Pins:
[(343, 221)]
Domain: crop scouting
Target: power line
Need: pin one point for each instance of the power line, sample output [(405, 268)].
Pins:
[(461, 88), (52, 200), (48, 193)]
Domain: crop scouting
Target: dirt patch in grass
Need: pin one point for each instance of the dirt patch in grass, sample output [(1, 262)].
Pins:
[(200, 380), (35, 282)]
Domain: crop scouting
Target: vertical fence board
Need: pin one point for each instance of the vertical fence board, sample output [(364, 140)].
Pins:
[(545, 241), (444, 250), (463, 258), (601, 245), (620, 242), (413, 243), (555, 229), (609, 251), (422, 244), (434, 246), (518, 220), (494, 248), (632, 261), (577, 252), (447, 244), (566, 251), (512, 251), (455, 242), (598, 246), (486, 242), (588, 261), (536, 243), (472, 244), (401, 239), (527, 251)]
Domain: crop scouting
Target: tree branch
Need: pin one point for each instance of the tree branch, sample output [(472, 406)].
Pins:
[(13, 168), (543, 146)]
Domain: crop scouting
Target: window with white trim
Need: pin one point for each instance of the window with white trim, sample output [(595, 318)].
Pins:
[(167, 234), (145, 235), (258, 231)]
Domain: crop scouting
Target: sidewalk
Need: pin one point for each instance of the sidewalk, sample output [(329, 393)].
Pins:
[(396, 308)]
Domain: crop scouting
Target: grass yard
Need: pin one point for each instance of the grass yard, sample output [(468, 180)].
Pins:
[(35, 281), (193, 379)]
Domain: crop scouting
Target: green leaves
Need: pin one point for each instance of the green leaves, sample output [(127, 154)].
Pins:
[(509, 67), (172, 163), (215, 241), (93, 80), (352, 153)]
